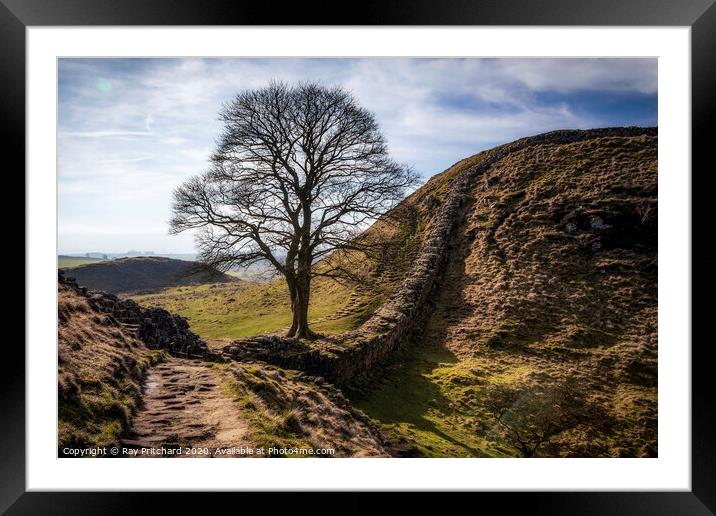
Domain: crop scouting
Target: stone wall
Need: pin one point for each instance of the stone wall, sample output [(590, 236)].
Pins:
[(344, 359), (156, 327)]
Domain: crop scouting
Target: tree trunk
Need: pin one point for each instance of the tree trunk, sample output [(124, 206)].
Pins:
[(294, 303), (300, 313), (300, 292)]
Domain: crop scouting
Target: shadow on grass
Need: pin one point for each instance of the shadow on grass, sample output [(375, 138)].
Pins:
[(404, 393)]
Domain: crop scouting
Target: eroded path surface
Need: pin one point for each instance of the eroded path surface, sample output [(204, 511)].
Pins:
[(185, 406)]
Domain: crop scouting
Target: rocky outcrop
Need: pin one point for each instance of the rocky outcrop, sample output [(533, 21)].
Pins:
[(157, 328), (344, 359)]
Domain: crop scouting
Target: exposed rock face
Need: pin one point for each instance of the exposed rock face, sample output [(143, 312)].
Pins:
[(156, 327), (344, 359)]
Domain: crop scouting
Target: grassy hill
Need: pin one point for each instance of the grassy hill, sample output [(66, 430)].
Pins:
[(541, 336), (144, 274), (549, 299), (223, 312)]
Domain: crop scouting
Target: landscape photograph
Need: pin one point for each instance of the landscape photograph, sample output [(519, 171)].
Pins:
[(357, 257)]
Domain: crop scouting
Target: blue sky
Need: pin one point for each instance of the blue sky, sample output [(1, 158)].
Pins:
[(131, 130)]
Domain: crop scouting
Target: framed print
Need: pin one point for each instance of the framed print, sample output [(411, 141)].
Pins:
[(423, 252)]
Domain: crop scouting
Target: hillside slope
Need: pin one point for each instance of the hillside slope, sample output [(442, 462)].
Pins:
[(144, 274), (542, 337)]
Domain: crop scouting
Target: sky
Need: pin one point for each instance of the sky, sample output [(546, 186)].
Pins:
[(132, 130)]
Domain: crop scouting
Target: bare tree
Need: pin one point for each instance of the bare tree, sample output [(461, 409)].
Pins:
[(299, 172)]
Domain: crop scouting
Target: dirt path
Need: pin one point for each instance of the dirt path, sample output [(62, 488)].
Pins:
[(184, 406)]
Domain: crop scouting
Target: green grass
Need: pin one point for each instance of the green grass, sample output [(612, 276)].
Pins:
[(219, 312), (427, 397), (267, 430), (67, 262), (435, 398)]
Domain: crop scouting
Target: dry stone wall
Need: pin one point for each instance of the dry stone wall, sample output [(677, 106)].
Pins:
[(156, 327), (345, 359)]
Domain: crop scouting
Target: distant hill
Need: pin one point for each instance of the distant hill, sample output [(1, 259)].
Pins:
[(66, 262), (144, 274)]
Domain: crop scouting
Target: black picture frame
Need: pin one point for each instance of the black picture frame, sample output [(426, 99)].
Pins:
[(17, 15)]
